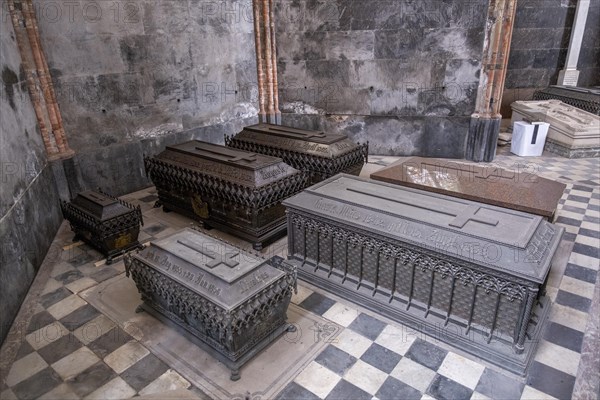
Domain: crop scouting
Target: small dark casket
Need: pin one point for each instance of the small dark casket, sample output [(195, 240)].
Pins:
[(470, 274), (230, 303), (232, 190), (321, 154), (109, 224)]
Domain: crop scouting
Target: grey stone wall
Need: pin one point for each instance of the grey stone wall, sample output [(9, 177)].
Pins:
[(401, 74), (29, 204), (131, 76), (539, 48)]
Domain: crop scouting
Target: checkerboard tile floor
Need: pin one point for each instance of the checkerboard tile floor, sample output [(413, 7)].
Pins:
[(71, 351)]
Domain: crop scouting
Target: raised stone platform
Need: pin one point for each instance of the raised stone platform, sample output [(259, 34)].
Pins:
[(473, 275), (515, 189)]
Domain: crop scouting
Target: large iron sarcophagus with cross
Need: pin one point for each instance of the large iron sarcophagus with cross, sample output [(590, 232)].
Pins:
[(229, 189), (470, 274), (320, 154), (105, 222), (230, 303)]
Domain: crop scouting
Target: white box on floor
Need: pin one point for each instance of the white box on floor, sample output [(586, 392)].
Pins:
[(528, 139)]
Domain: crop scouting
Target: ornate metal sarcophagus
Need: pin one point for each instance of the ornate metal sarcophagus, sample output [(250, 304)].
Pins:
[(587, 99), (229, 302), (109, 224), (470, 274), (232, 190), (320, 154)]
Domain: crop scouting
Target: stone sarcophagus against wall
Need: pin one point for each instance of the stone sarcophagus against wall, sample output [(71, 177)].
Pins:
[(228, 302), (232, 190), (469, 274), (320, 154), (109, 224)]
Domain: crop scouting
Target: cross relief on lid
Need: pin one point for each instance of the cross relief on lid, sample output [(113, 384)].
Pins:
[(226, 258)]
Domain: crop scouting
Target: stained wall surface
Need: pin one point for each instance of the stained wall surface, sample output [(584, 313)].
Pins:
[(29, 204), (401, 74), (132, 76)]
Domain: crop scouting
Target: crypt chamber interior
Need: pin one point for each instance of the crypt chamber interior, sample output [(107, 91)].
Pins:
[(477, 281)]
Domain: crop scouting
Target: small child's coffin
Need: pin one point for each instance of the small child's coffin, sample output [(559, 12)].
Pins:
[(228, 302), (105, 222), (469, 274), (232, 190), (321, 154)]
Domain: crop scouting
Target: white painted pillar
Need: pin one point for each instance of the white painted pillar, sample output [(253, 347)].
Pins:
[(569, 75)]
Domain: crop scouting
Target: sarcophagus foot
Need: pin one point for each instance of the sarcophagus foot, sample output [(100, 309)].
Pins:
[(105, 222), (232, 190), (470, 274), (228, 302), (320, 154)]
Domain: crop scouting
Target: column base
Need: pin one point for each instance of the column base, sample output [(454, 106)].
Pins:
[(482, 139)]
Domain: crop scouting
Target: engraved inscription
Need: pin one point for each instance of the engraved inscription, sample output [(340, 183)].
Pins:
[(248, 284), (272, 173), (185, 275)]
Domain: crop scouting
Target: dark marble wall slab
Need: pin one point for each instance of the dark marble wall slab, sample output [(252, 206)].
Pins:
[(402, 74), (539, 48), (29, 205)]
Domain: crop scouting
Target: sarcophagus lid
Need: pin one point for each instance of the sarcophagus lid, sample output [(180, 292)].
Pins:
[(106, 222), (236, 166), (428, 260), (99, 205), (322, 153), (225, 188), (232, 303)]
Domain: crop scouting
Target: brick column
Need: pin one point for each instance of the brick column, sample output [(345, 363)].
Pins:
[(39, 82), (266, 61)]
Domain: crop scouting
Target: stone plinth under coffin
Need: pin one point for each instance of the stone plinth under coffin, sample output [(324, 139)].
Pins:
[(466, 273), (573, 133), (229, 302), (109, 224), (320, 154), (232, 190), (587, 99)]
